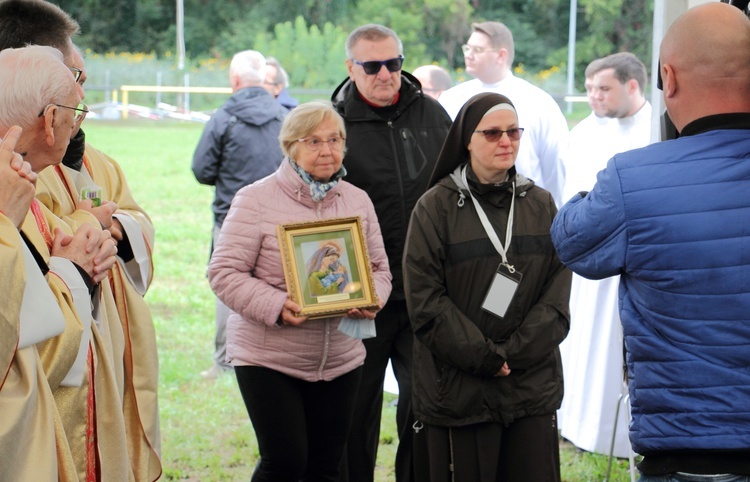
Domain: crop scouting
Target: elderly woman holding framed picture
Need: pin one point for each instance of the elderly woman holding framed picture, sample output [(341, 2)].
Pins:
[(298, 376)]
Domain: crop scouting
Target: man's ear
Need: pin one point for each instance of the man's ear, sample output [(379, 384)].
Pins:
[(632, 86), (350, 68), (502, 56), (233, 82), (669, 82), (49, 124)]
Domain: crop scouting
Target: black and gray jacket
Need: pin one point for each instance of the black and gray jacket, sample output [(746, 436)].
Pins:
[(391, 152), (239, 145)]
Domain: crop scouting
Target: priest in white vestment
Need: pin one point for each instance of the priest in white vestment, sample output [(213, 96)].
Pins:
[(592, 353), (489, 53)]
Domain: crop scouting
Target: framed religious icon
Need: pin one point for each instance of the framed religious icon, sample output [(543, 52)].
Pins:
[(327, 267)]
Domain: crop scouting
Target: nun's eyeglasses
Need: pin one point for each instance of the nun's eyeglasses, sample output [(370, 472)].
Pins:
[(494, 135)]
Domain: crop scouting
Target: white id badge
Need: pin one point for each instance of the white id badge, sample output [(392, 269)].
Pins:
[(501, 292)]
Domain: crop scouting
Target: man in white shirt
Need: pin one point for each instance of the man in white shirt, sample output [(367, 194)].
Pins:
[(593, 352), (489, 54)]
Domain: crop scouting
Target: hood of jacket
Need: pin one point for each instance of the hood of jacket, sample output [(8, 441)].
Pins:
[(353, 108), (521, 182), (254, 106)]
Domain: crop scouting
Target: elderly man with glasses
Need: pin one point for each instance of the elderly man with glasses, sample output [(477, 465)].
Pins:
[(394, 134), (70, 342), (489, 55), (90, 188)]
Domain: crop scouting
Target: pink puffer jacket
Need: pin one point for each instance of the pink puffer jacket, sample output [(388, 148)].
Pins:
[(247, 275)]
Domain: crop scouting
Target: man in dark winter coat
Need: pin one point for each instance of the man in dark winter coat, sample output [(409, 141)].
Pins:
[(394, 133), (239, 146)]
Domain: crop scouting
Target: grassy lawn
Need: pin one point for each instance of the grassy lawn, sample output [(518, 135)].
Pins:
[(206, 434)]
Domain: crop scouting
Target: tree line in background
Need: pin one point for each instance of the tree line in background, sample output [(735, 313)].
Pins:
[(307, 36)]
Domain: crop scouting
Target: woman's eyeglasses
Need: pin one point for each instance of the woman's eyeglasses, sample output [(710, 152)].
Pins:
[(315, 144), (81, 111), (372, 67), (494, 135)]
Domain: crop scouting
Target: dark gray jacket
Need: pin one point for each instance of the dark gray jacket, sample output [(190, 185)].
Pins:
[(239, 145)]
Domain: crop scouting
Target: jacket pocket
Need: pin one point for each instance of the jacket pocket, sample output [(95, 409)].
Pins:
[(414, 155)]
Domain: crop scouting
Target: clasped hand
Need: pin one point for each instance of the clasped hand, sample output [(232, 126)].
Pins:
[(105, 215), (17, 180), (92, 249)]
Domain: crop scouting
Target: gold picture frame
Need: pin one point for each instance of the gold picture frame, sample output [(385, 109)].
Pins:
[(327, 266)]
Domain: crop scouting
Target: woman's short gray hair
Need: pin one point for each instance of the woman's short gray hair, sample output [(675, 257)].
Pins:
[(302, 121)]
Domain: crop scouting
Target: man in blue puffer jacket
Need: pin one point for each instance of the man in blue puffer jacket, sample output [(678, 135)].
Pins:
[(673, 219)]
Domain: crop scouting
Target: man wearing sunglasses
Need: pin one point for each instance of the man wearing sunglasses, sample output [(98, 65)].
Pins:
[(489, 55), (131, 344), (394, 134)]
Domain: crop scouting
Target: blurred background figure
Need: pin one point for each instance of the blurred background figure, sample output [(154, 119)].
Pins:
[(276, 83), (593, 352), (434, 79), (239, 145)]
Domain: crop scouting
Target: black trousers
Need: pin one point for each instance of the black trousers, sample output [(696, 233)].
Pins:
[(524, 450), (301, 426), (393, 342)]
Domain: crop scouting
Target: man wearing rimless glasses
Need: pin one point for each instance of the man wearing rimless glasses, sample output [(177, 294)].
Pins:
[(489, 53), (394, 134)]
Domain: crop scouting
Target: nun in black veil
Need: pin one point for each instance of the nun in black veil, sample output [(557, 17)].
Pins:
[(488, 301)]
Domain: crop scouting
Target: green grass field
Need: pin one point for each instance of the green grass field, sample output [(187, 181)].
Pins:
[(206, 434)]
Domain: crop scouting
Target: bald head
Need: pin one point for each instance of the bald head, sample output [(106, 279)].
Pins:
[(705, 63), (434, 79)]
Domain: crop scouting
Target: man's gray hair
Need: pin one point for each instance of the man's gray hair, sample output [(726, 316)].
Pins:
[(372, 32), (32, 78), (249, 66)]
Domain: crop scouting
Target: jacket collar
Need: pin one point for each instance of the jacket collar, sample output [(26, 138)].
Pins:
[(489, 191), (740, 120), (351, 106), (293, 186)]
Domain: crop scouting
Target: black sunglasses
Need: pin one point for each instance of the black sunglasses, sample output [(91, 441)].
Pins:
[(372, 67), (494, 135)]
